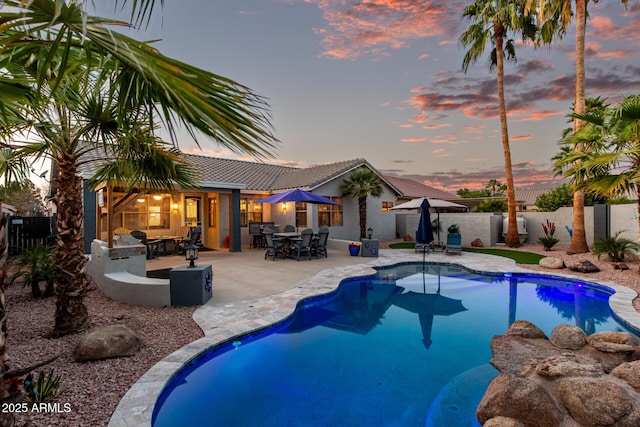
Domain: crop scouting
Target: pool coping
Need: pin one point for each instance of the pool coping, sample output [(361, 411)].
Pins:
[(221, 323)]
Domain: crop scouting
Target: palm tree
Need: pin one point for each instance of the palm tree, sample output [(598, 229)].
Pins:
[(362, 183), (492, 20), (495, 187), (612, 167), (555, 16), (86, 91)]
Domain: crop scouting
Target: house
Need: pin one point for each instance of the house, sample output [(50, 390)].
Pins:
[(411, 189), (225, 202), (526, 198)]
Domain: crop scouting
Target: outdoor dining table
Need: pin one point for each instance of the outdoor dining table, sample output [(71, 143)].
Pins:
[(167, 243), (287, 238)]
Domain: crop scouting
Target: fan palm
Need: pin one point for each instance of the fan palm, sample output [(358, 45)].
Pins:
[(83, 91), (491, 21), (554, 17), (360, 184), (613, 166)]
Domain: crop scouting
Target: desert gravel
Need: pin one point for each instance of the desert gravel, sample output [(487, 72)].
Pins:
[(92, 390)]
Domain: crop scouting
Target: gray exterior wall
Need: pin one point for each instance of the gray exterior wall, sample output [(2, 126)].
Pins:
[(382, 223)]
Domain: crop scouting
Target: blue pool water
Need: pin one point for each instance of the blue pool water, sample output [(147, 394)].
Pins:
[(386, 350)]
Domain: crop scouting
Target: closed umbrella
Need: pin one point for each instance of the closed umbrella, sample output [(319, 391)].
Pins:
[(424, 234), (437, 204)]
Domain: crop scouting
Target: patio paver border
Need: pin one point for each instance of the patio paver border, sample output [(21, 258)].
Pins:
[(231, 320)]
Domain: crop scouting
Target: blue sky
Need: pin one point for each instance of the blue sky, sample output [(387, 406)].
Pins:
[(382, 79)]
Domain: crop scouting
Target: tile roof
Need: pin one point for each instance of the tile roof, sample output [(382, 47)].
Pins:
[(269, 177), (414, 189), (255, 175), (314, 176), (529, 195)]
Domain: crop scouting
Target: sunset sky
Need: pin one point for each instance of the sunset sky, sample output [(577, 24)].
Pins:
[(382, 79)]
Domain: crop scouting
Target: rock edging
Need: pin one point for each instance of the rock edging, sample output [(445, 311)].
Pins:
[(568, 379)]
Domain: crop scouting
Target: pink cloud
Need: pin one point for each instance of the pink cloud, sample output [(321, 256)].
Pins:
[(373, 27), (413, 140), (437, 126)]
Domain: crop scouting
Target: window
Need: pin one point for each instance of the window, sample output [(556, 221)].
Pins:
[(143, 212), (250, 212), (386, 206), (301, 214), (330, 215), (213, 211), (192, 211)]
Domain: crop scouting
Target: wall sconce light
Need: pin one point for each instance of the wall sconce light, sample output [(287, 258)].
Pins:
[(283, 206), (191, 254), (174, 206), (369, 232), (141, 200)]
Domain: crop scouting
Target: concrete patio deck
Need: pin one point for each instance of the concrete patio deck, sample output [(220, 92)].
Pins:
[(251, 293)]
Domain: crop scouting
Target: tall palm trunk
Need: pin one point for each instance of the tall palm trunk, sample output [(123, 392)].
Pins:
[(578, 238), (512, 229), (362, 210), (71, 279), (6, 418)]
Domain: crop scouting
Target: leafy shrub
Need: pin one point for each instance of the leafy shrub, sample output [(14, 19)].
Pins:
[(453, 228), (35, 265), (616, 248), (561, 196), (492, 206), (45, 389)]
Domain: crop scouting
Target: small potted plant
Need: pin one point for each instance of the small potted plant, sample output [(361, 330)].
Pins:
[(354, 248), (548, 240)]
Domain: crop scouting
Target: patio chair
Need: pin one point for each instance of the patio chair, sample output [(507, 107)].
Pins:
[(423, 247), (319, 244), (302, 247), (289, 228), (153, 246), (256, 240), (194, 239), (122, 230), (275, 246), (454, 243)]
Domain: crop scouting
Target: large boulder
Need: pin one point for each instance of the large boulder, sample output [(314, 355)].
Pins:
[(551, 262), (107, 343), (525, 329), (629, 372), (585, 266), (518, 398), (568, 336), (576, 380), (598, 403)]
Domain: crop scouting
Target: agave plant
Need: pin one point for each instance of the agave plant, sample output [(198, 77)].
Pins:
[(616, 248)]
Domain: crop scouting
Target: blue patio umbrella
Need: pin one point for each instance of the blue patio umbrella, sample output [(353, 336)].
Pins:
[(297, 195), (425, 230)]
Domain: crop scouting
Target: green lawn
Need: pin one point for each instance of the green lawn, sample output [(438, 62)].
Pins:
[(520, 257)]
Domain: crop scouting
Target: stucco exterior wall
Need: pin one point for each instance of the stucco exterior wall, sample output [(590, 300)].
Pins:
[(382, 223), (478, 225)]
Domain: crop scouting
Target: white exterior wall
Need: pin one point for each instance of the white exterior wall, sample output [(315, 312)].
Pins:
[(477, 225)]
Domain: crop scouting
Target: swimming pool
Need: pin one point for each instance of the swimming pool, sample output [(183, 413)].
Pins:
[(383, 350)]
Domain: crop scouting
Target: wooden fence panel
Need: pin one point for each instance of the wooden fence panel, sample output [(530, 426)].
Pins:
[(28, 231)]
